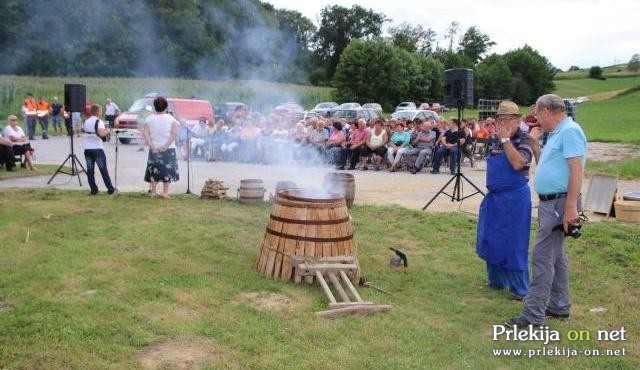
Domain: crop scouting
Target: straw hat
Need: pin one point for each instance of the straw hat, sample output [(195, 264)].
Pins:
[(508, 108)]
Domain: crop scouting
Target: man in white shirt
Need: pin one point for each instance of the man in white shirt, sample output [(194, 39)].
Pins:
[(111, 111), (94, 130)]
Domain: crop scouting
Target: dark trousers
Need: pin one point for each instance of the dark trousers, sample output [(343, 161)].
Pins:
[(31, 126), (354, 154), (93, 157), (44, 124), (6, 156), (453, 158)]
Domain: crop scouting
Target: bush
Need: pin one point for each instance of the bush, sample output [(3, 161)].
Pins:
[(596, 72)]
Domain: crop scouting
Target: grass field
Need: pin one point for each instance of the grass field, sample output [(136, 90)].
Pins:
[(612, 120), (594, 88), (41, 169), (619, 70), (628, 169), (105, 281)]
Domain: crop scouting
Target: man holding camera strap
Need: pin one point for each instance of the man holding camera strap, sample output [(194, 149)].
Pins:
[(95, 133), (558, 182)]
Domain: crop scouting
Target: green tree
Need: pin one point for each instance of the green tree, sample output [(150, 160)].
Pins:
[(573, 68), (493, 78), (532, 74), (338, 27), (634, 63), (452, 59), (396, 76), (409, 37), (596, 72), (451, 33), (474, 44)]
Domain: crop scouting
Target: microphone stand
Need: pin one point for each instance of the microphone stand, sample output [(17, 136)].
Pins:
[(116, 169), (184, 124)]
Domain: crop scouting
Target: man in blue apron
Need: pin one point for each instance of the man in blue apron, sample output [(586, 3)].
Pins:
[(505, 212)]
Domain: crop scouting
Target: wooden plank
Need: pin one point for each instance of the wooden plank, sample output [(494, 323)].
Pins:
[(325, 287), (319, 260), (348, 304), (336, 284), (310, 247), (353, 290), (354, 310)]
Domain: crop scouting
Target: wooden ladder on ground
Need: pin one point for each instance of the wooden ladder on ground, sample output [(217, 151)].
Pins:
[(337, 270)]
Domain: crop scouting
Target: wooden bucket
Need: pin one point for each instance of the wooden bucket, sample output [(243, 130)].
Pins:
[(285, 185), (304, 222), (627, 210), (251, 191), (342, 183)]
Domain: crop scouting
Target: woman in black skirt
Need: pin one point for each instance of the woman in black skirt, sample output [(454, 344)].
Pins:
[(160, 131)]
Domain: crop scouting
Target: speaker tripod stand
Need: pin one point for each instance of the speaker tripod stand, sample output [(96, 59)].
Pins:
[(458, 192), (76, 166)]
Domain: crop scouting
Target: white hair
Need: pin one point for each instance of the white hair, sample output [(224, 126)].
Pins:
[(552, 102)]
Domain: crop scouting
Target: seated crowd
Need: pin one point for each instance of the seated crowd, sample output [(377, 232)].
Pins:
[(391, 144)]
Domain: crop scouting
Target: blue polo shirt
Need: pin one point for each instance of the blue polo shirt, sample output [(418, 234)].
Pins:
[(566, 141)]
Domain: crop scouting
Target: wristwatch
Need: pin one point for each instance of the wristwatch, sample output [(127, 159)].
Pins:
[(505, 140)]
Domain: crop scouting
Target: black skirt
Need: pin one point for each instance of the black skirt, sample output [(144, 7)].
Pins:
[(21, 149), (162, 167)]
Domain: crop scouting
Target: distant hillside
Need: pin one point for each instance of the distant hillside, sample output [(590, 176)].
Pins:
[(618, 70)]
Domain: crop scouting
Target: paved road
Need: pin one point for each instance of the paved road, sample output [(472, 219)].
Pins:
[(380, 188)]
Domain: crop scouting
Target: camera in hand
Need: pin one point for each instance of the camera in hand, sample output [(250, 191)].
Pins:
[(573, 230)]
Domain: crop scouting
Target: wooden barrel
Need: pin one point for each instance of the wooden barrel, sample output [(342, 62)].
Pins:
[(342, 183), (305, 223), (285, 185), (251, 191)]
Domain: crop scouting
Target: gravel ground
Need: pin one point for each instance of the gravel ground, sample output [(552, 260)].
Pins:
[(380, 188)]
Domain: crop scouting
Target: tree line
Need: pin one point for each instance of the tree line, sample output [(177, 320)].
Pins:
[(249, 39)]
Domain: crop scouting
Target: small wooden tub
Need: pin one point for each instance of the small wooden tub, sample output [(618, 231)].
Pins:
[(342, 183), (251, 191), (305, 223), (627, 210)]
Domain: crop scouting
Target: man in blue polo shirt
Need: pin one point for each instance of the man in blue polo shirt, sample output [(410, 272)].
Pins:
[(558, 182)]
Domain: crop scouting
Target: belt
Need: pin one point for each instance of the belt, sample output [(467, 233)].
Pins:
[(544, 198)]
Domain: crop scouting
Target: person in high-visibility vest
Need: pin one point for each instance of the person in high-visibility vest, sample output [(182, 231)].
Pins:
[(30, 108), (43, 111)]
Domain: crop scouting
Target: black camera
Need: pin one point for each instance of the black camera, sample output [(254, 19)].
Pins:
[(573, 230)]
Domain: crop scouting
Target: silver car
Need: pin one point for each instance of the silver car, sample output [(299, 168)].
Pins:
[(415, 113), (407, 105)]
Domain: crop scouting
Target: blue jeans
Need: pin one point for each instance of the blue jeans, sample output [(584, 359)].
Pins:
[(56, 120), (93, 157), (453, 158)]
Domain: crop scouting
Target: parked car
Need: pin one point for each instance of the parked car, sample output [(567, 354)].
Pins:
[(301, 116), (224, 110), (348, 106), (407, 105), (325, 109), (186, 111), (415, 113), (288, 108), (353, 114), (375, 106)]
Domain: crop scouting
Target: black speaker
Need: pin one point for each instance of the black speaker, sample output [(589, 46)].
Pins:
[(75, 97), (458, 85)]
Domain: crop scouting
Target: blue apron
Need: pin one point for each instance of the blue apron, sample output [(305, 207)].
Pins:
[(504, 224)]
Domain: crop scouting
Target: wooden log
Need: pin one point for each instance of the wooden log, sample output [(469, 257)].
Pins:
[(325, 287), (348, 304), (354, 310), (353, 290), (336, 284)]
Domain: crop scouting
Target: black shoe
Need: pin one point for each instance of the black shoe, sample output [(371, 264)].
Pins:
[(413, 171), (515, 297), (351, 168), (45, 137), (341, 168), (520, 321), (557, 316), (434, 171), (93, 193), (453, 172), (111, 191)]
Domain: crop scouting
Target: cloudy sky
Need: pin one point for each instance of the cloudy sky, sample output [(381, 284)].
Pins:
[(568, 32)]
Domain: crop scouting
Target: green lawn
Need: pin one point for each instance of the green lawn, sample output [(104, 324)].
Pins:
[(102, 278), (619, 70), (589, 86), (616, 119), (41, 169), (628, 169)]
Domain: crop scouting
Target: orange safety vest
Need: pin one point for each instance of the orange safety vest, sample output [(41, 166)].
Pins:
[(44, 106), (31, 104)]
